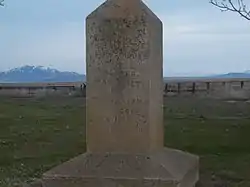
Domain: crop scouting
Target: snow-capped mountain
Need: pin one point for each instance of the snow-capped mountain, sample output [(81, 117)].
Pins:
[(39, 74)]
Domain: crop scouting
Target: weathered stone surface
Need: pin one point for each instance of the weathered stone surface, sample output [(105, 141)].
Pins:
[(125, 107), (124, 78), (165, 168)]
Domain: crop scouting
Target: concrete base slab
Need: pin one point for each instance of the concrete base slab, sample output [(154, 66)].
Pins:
[(168, 168)]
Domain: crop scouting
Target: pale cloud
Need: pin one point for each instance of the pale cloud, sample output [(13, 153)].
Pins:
[(196, 41), (194, 47), (62, 46)]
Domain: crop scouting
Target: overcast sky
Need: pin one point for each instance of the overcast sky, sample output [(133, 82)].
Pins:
[(198, 38)]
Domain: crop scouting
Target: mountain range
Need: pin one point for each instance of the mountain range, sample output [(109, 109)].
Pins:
[(240, 75), (28, 73)]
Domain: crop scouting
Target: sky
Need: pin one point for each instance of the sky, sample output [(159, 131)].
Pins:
[(199, 39)]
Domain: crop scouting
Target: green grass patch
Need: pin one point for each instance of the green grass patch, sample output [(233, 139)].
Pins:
[(38, 134)]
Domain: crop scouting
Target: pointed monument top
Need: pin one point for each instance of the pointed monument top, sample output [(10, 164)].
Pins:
[(125, 1)]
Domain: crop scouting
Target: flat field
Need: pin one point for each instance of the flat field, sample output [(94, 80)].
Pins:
[(38, 134)]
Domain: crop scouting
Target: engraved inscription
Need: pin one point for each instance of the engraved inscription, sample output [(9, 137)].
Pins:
[(130, 101)]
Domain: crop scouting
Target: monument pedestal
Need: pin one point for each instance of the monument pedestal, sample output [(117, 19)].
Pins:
[(124, 106), (167, 168)]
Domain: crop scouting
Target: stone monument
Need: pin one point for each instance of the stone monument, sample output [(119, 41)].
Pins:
[(125, 106)]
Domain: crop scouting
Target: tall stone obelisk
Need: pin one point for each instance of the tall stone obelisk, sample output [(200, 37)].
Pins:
[(125, 106), (124, 78)]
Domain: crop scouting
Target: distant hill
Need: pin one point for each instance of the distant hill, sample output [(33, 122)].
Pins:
[(27, 74), (234, 75), (244, 75)]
